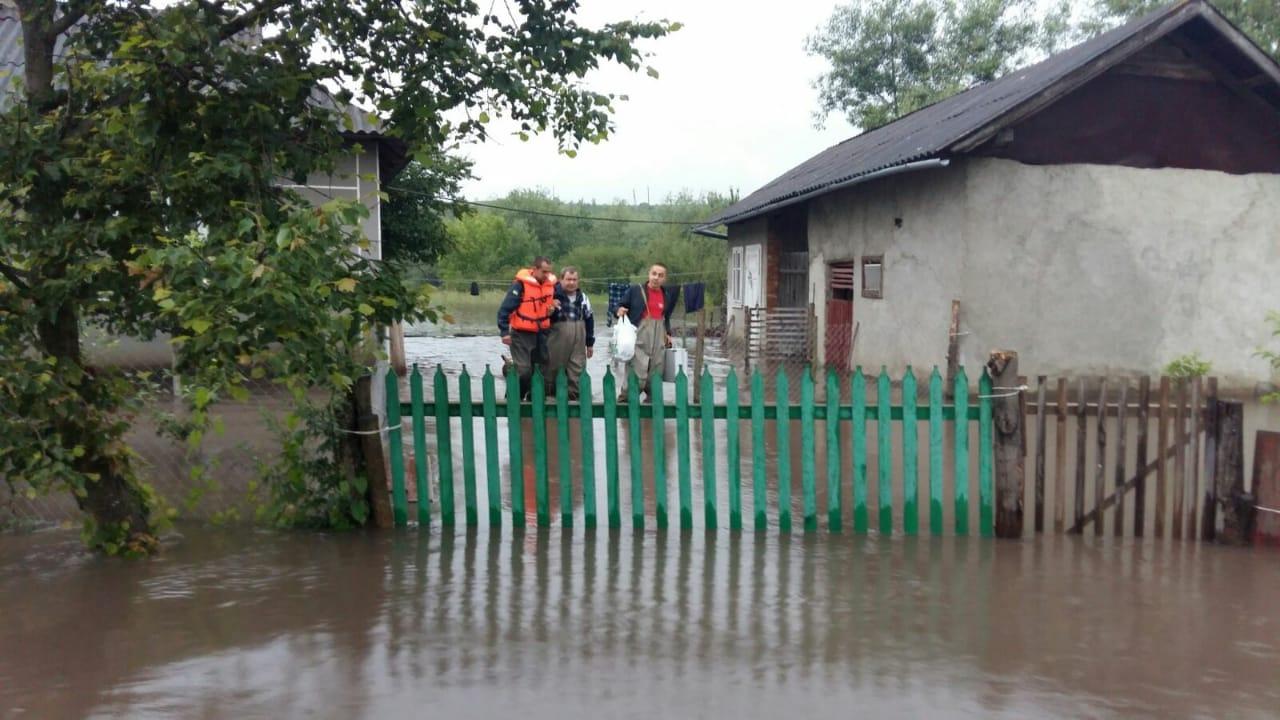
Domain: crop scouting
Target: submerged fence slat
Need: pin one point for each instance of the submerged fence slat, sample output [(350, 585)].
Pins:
[(935, 451), (493, 474), (807, 452), (637, 460), (586, 429), (682, 451), (1179, 460), (962, 453), (399, 502), (859, 433), (707, 396), (834, 461), (1140, 487), (1060, 460), (1121, 457), (1162, 463), (468, 449), (611, 489), (733, 452), (1193, 485), (562, 445), (1041, 429), (444, 450), (781, 390), (515, 448), (1082, 438), (910, 480), (884, 454), (541, 489), (986, 476), (758, 464), (1100, 462), (419, 444), (659, 427)]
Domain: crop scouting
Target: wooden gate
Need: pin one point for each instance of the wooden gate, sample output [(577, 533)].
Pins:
[(1132, 455), (839, 327)]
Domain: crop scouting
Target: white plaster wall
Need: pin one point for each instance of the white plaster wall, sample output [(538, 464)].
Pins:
[(1082, 269)]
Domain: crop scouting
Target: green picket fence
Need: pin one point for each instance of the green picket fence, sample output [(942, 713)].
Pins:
[(942, 418)]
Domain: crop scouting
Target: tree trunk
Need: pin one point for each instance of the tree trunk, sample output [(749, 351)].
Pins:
[(115, 501)]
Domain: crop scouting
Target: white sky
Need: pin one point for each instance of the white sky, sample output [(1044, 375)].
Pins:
[(733, 107)]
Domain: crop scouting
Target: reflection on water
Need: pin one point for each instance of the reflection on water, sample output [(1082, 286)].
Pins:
[(599, 624)]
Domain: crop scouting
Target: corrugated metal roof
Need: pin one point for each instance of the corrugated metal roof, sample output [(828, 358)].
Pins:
[(931, 131)]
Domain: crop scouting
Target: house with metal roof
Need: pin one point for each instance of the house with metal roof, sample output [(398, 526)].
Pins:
[(1106, 210)]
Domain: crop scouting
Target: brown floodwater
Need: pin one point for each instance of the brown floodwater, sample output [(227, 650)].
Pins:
[(236, 624)]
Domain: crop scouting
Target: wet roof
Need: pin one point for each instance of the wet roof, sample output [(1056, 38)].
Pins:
[(936, 131)]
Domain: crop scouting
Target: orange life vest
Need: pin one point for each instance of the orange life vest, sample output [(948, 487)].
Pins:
[(534, 311)]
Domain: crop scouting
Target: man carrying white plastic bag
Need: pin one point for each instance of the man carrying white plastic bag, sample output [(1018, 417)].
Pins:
[(649, 307)]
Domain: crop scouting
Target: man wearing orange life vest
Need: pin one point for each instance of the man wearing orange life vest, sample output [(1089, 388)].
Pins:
[(525, 317)]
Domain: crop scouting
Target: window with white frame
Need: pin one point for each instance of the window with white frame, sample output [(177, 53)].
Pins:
[(735, 277)]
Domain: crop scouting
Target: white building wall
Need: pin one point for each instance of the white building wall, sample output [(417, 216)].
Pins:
[(1082, 269)]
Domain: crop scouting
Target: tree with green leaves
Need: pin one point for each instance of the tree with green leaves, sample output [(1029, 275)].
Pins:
[(891, 57), (419, 202), (140, 192)]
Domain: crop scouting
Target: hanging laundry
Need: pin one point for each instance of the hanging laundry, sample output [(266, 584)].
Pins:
[(694, 296), (617, 291), (475, 288)]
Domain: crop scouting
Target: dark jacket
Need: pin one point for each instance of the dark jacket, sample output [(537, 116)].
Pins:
[(636, 302), (579, 310)]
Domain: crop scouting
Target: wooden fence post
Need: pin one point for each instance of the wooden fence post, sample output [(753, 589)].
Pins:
[(1010, 464), (375, 465), (1234, 506)]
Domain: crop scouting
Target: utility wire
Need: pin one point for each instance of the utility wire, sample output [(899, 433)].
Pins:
[(544, 213)]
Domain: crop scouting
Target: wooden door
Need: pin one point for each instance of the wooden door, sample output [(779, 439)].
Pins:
[(839, 326)]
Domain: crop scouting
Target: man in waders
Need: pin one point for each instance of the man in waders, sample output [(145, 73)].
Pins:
[(573, 332), (649, 308), (525, 317)]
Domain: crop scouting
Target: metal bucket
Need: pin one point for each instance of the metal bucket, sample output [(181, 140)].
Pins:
[(673, 360)]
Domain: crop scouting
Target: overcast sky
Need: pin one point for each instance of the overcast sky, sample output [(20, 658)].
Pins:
[(733, 107)]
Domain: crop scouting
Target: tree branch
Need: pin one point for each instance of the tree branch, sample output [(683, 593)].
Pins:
[(75, 11), (250, 18), (14, 276)]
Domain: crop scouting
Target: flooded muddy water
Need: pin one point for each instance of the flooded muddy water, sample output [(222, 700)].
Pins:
[(235, 624)]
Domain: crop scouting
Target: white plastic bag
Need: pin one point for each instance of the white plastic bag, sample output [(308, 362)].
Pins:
[(624, 340)]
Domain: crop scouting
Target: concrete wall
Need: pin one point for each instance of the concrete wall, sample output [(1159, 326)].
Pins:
[(1083, 269)]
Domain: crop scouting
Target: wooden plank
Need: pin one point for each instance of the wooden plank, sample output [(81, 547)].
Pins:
[(699, 349), (1237, 509), (467, 427), (515, 448), (1121, 457), (910, 479), (1266, 489), (1179, 488), (1140, 488), (758, 462), (493, 473), (659, 427), (1001, 409), (834, 463), (884, 453), (707, 423), (936, 424), (807, 452), (563, 449), (859, 433), (783, 427), (612, 491), (370, 444), (586, 432), (395, 448), (1132, 482), (634, 451), (1162, 465), (1193, 483), (682, 451), (541, 484), (419, 446), (1100, 461), (1041, 427), (734, 452), (1060, 460), (962, 453), (1082, 440), (444, 451), (1209, 507), (953, 347)]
